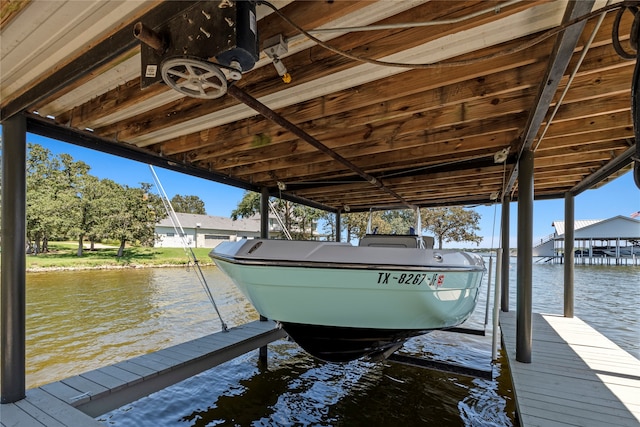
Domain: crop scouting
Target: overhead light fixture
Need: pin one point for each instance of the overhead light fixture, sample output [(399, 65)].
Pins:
[(282, 186), (494, 195), (346, 208), (501, 156)]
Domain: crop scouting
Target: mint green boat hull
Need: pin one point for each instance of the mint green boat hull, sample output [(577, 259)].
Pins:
[(333, 284), (358, 298)]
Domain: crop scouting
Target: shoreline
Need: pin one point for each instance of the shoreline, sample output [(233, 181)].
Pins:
[(112, 267)]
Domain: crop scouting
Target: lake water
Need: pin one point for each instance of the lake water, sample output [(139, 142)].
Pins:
[(81, 320)]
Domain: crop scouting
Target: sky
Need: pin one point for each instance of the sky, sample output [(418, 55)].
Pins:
[(619, 197)]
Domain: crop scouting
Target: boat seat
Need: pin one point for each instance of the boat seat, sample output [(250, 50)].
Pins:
[(394, 241)]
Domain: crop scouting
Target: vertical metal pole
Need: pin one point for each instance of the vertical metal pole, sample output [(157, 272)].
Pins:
[(264, 234), (264, 214), (504, 276), (525, 257), (486, 312), (12, 274), (568, 253), (496, 308), (338, 227)]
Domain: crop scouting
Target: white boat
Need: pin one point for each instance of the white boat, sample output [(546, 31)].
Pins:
[(341, 302)]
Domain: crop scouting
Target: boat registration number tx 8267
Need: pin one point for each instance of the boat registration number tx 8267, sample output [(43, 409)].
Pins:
[(434, 279)]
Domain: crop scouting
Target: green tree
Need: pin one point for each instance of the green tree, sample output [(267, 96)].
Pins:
[(48, 198), (79, 195), (303, 220), (248, 206), (356, 224), (453, 224), (382, 222), (135, 212), (188, 204), (99, 206), (298, 219)]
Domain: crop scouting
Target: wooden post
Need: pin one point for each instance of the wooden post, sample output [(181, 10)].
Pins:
[(338, 226)]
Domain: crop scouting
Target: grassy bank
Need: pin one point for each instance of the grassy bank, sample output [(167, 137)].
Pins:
[(63, 255)]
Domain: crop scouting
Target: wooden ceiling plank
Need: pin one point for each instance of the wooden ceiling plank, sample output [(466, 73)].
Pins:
[(599, 84), (615, 103), (618, 133), (425, 180), (587, 125)]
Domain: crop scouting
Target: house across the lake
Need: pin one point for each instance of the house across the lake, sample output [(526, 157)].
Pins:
[(596, 241), (206, 231)]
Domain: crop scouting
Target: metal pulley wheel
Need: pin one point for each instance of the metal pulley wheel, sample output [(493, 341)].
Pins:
[(197, 79)]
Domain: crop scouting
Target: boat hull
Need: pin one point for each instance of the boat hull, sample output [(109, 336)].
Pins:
[(337, 344), (338, 307)]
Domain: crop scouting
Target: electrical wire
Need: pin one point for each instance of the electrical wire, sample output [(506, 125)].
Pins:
[(442, 64)]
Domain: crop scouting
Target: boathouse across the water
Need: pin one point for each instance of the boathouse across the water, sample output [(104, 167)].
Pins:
[(610, 241)]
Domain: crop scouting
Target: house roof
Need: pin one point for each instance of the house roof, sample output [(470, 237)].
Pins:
[(615, 227), (578, 224), (209, 222), (463, 81)]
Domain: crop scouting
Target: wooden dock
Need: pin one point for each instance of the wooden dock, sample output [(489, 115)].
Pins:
[(577, 377), (75, 401)]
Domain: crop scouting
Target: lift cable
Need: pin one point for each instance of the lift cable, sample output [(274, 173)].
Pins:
[(185, 245)]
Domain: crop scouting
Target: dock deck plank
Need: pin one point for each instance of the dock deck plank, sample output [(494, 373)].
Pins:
[(577, 376), (74, 401)]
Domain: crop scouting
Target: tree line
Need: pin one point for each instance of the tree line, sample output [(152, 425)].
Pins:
[(66, 202), (450, 224)]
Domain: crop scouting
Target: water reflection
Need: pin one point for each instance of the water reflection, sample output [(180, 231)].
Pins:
[(81, 320)]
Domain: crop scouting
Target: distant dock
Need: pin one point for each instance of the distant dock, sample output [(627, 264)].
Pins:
[(577, 376), (591, 260)]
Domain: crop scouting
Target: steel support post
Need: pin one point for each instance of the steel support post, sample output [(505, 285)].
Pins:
[(569, 226), (338, 226), (264, 234), (525, 257), (264, 213), (504, 274), (13, 259)]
